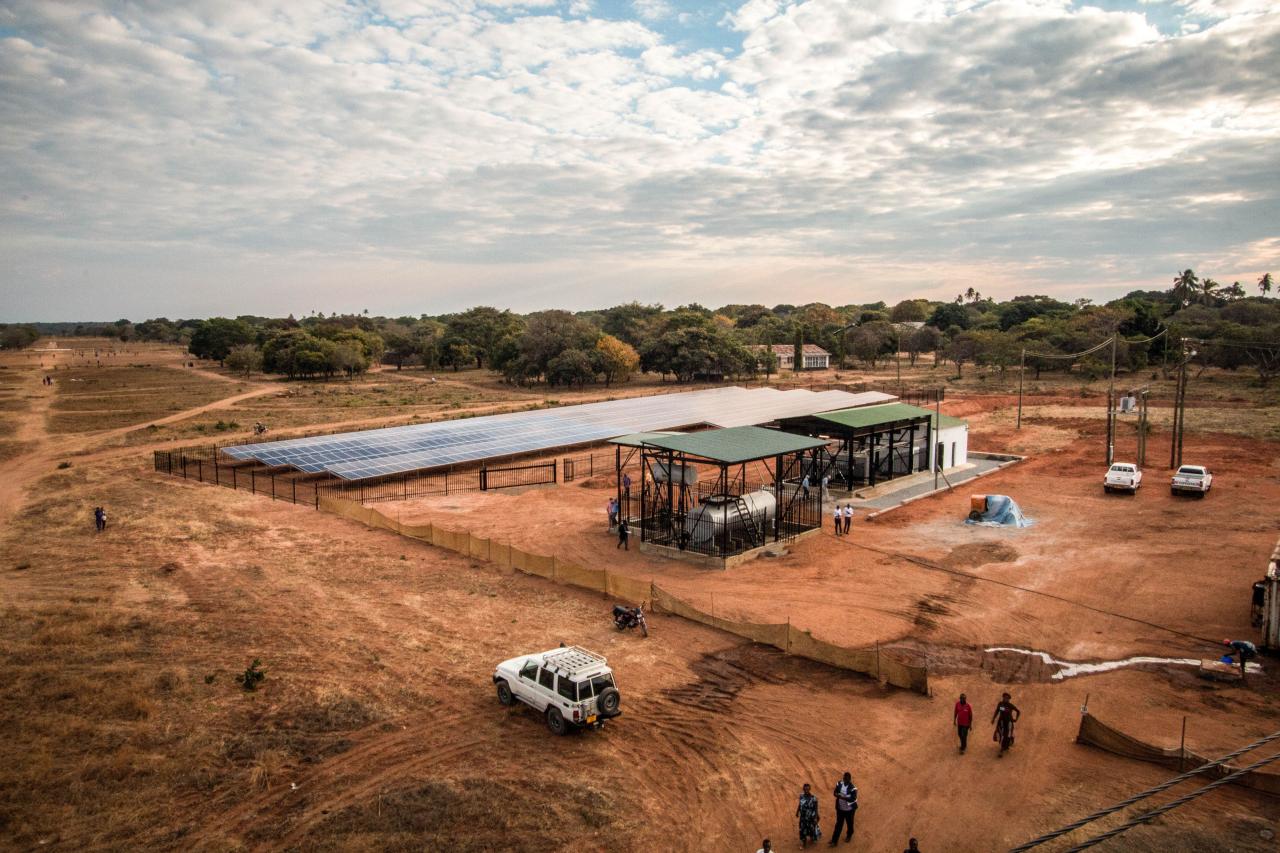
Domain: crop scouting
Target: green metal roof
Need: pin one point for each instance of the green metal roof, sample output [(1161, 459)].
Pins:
[(736, 444), (636, 439), (863, 417)]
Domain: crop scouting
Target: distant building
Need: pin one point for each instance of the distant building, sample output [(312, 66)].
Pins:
[(815, 357)]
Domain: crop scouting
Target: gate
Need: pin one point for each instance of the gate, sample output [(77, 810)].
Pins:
[(517, 475)]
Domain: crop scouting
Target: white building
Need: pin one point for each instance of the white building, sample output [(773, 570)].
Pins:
[(815, 357)]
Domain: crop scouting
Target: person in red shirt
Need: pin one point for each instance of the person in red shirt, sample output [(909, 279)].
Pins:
[(963, 720)]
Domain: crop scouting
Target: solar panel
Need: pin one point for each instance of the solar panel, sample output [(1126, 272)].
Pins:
[(393, 450)]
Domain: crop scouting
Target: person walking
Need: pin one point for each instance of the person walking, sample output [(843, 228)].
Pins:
[(913, 846), (1006, 714), (836, 519), (807, 812), (848, 518), (804, 484), (766, 846), (846, 804), (963, 719), (100, 518), (622, 535), (612, 509), (826, 483), (1246, 651)]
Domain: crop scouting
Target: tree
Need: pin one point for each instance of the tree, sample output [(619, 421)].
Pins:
[(910, 311), (797, 358), (244, 358), (963, 348), (571, 367), (767, 360), (1184, 287), (1208, 291), (481, 328), (923, 339), (870, 341), (618, 359), (949, 315), (428, 342), (215, 337), (632, 322), (18, 336), (1264, 284), (1234, 291), (346, 358)]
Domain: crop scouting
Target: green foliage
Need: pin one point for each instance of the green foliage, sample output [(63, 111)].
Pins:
[(252, 676), (214, 338), (18, 336)]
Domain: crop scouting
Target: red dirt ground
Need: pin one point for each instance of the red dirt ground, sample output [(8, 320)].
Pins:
[(377, 727)]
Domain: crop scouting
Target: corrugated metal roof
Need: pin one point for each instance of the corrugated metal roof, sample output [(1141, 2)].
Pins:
[(737, 444), (869, 416)]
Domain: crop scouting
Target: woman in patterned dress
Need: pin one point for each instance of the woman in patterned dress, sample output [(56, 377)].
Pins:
[(807, 811)]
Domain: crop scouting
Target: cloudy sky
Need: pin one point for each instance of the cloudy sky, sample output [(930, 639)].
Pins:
[(174, 158)]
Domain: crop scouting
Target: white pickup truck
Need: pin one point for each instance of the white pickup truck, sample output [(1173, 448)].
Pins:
[(1122, 477), (570, 686), (1192, 480)]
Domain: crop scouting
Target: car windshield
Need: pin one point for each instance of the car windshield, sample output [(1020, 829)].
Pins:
[(1123, 469), (1190, 472)]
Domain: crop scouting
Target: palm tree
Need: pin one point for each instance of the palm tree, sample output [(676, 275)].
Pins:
[(1184, 285), (1264, 284), (1208, 290), (1235, 291)]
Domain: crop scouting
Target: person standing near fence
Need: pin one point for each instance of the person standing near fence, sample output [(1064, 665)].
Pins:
[(804, 484), (807, 812), (963, 719), (626, 485), (99, 518), (848, 518), (1006, 714), (622, 534), (612, 509), (846, 804), (826, 482)]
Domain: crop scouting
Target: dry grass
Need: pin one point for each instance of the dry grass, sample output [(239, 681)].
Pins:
[(103, 398), (474, 814)]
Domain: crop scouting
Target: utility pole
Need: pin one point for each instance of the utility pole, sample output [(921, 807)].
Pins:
[(1111, 405), (1022, 368), (937, 425), (1142, 429), (1179, 410)]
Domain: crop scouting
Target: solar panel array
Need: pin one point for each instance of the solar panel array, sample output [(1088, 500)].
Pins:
[(394, 450)]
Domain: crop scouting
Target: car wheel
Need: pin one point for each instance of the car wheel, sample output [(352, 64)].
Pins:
[(608, 701), (1173, 492), (1106, 489), (505, 696), (555, 721)]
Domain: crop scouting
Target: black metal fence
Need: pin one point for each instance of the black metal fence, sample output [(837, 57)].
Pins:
[(204, 465)]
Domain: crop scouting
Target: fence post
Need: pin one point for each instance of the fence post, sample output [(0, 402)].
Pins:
[(253, 481), (200, 470), (217, 473), (184, 467), (234, 485), (295, 490), (273, 485), (788, 635), (170, 462)]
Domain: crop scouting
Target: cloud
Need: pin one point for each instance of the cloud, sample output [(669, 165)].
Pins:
[(495, 147)]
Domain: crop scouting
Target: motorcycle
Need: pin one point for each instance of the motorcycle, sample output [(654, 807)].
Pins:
[(630, 617)]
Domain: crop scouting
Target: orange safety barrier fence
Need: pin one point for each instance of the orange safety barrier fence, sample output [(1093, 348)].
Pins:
[(780, 635)]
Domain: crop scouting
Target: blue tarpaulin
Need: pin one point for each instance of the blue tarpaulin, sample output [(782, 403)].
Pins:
[(1002, 511)]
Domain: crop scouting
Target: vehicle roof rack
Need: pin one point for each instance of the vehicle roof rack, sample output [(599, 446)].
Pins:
[(573, 660)]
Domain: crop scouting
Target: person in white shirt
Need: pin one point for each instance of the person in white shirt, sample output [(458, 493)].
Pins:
[(848, 518), (835, 518)]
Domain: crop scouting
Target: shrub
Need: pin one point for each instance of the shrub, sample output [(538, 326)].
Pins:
[(252, 676)]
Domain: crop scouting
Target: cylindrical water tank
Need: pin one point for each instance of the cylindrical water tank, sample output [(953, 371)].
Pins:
[(718, 512)]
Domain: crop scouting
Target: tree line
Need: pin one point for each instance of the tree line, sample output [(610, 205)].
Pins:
[(563, 348)]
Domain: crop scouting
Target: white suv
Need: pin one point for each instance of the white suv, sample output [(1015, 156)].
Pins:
[(1122, 477), (571, 687), (1191, 480)]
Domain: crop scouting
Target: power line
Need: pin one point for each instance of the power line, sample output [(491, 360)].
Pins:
[(1172, 804), (932, 566), (1142, 795)]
